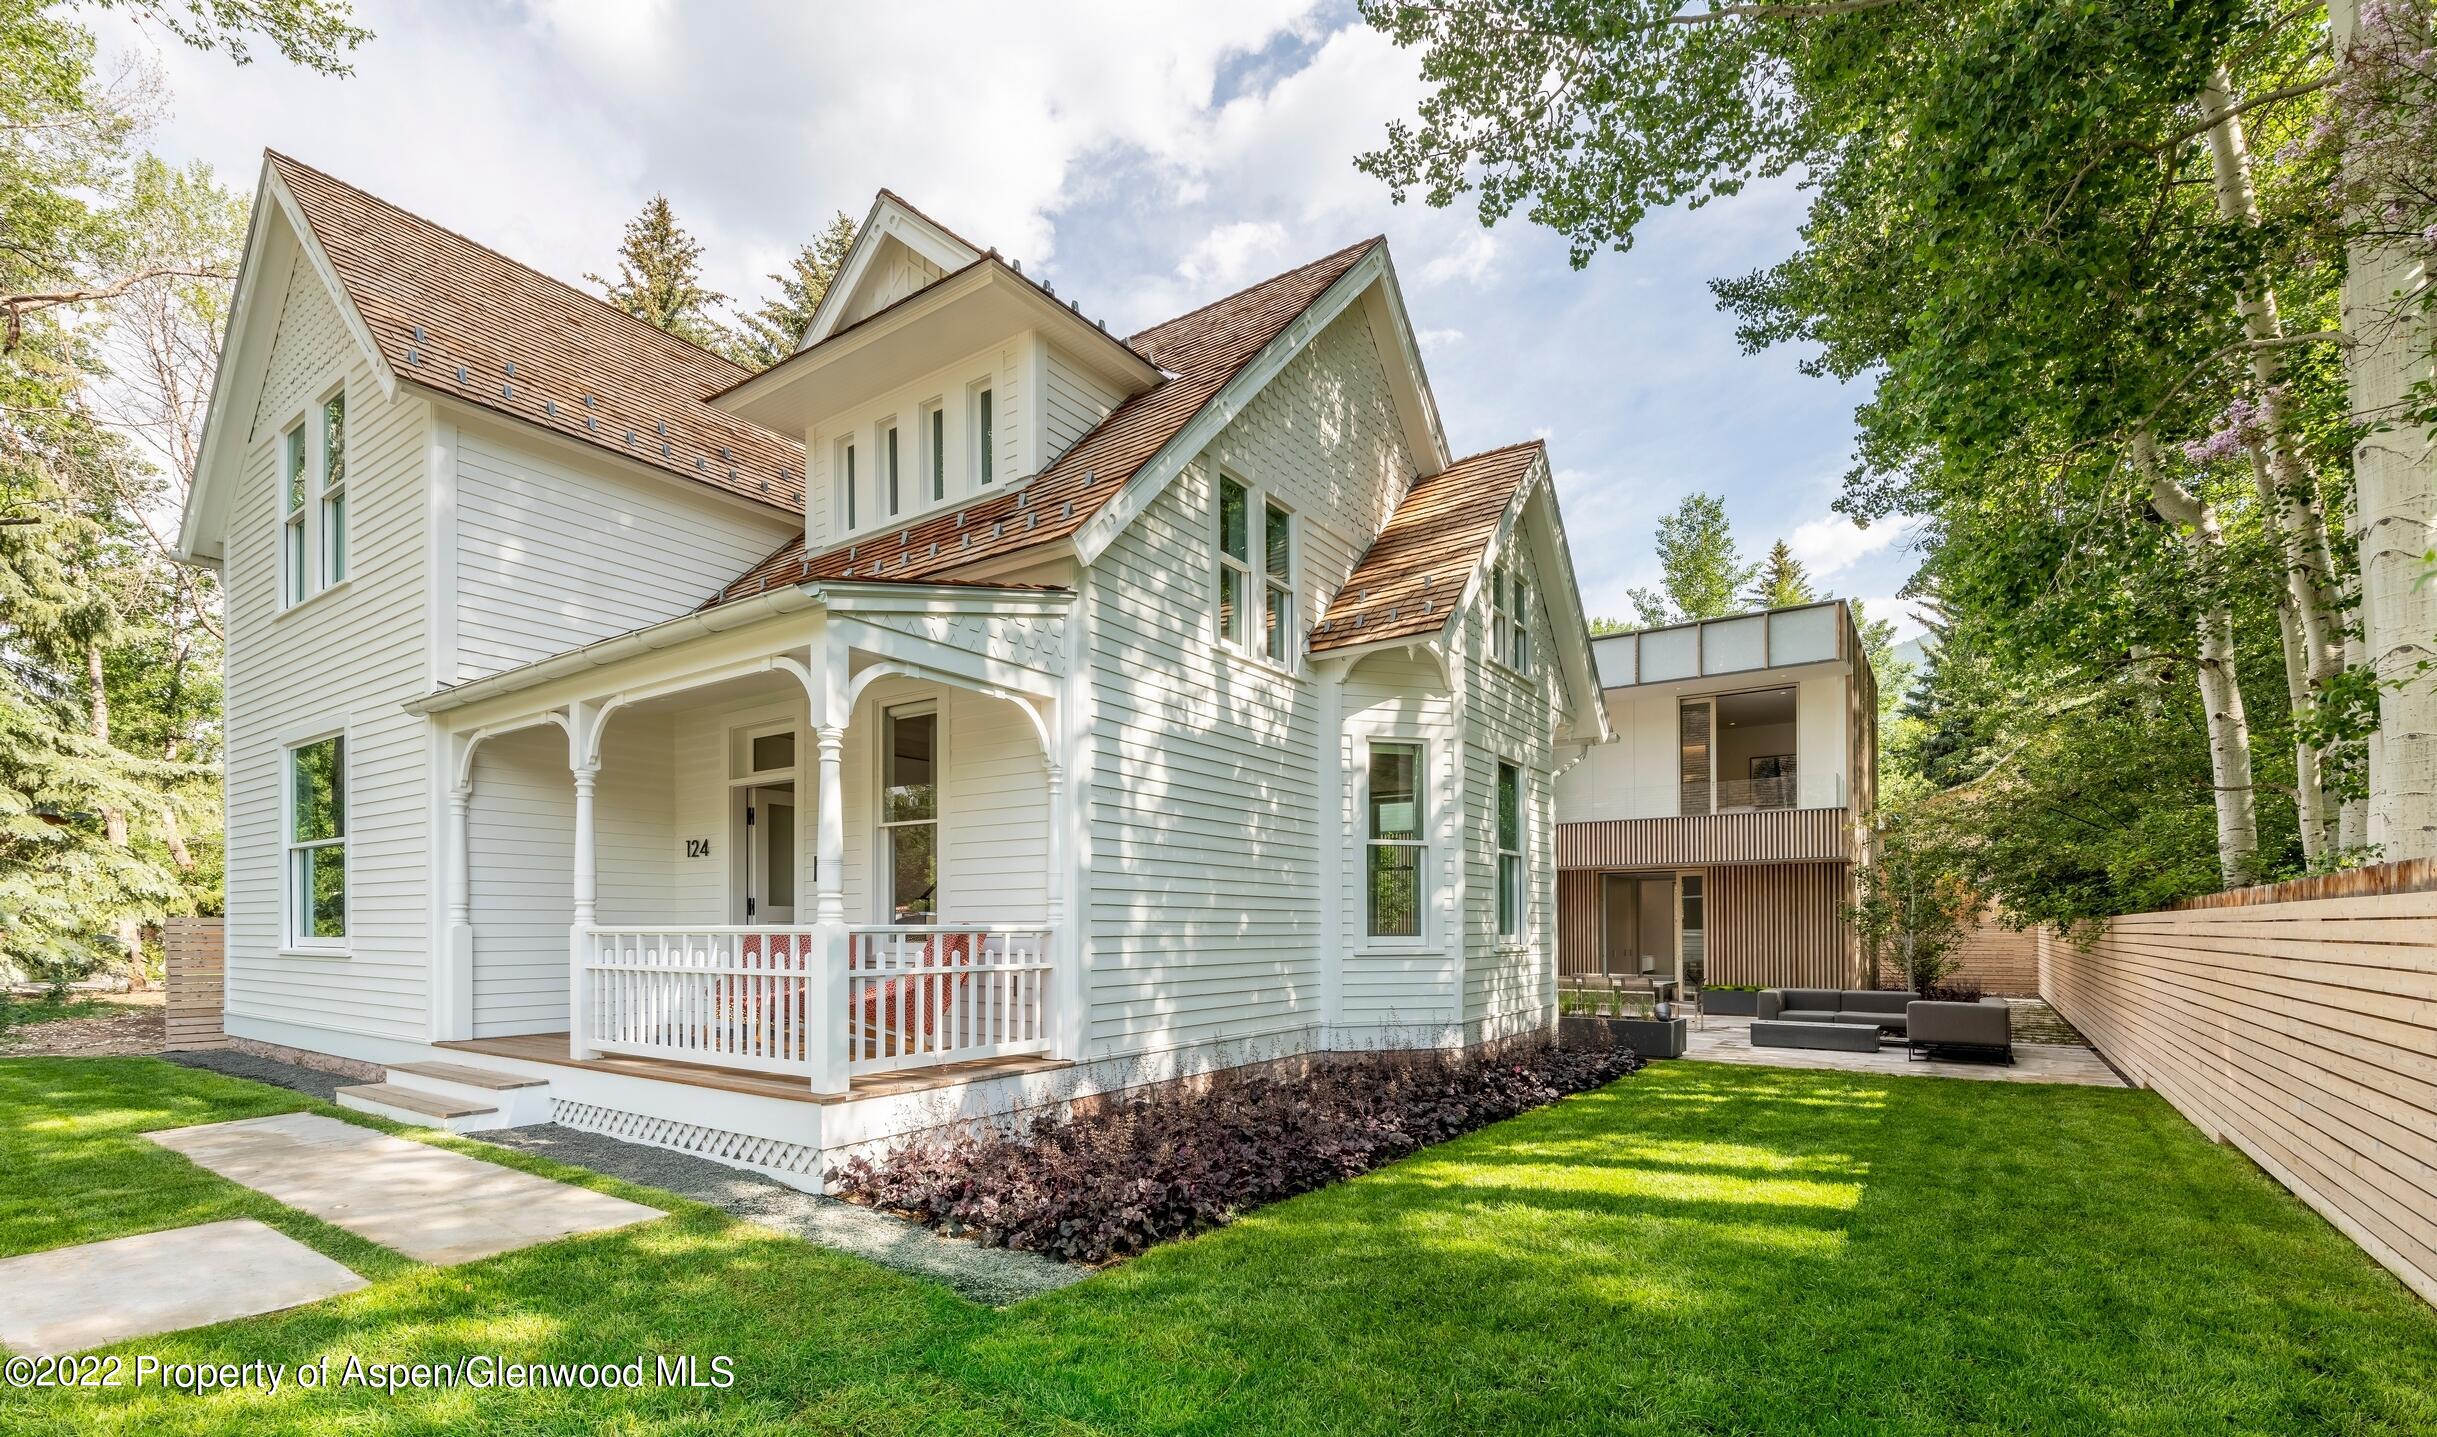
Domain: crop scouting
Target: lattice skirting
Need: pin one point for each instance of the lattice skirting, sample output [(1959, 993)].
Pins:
[(717, 1144)]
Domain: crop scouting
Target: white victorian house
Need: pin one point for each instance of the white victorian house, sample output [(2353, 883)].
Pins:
[(973, 711)]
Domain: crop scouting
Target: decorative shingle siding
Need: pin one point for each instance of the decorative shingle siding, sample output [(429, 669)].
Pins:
[(1204, 831), (344, 660)]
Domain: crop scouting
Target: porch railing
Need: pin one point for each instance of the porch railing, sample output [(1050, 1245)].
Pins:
[(922, 996), (752, 997)]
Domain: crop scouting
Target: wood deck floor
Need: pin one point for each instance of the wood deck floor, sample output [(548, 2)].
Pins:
[(552, 1048)]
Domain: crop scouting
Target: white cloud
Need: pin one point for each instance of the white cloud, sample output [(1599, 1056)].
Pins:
[(1831, 545), (1234, 254), (1434, 340), (1470, 260), (1905, 614)]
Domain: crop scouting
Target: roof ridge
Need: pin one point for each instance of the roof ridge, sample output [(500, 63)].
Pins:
[(1497, 450), (1133, 340), (502, 256)]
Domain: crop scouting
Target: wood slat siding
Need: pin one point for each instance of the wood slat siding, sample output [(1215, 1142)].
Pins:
[(1779, 835), (2002, 960), (194, 949), (1778, 925), (1772, 925), (2303, 1032)]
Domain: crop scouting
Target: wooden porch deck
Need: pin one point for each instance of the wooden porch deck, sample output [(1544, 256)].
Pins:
[(552, 1048)]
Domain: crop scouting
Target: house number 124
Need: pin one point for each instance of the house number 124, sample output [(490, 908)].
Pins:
[(698, 848)]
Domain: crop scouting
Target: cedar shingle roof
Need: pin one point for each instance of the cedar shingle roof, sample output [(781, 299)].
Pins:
[(1417, 568), (454, 316), (1202, 351)]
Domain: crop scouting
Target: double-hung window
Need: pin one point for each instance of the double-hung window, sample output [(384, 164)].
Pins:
[(334, 489), (317, 843), (909, 813), (1278, 588), (1234, 559), (294, 556), (1395, 855), (1510, 851), (1511, 618)]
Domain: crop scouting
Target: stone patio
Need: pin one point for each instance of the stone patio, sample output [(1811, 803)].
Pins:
[(432, 1205), (72, 1298), (1717, 1039)]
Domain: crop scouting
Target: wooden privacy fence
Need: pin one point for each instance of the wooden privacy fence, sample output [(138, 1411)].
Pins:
[(2297, 1022), (191, 972)]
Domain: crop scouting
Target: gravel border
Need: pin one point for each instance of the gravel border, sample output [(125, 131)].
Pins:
[(994, 1276)]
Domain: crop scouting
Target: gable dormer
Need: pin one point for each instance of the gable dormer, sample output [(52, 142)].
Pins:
[(932, 374)]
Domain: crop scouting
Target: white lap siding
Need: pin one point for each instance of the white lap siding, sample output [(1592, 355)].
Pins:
[(341, 662), (1507, 718), (1204, 890), (551, 556), (1399, 993)]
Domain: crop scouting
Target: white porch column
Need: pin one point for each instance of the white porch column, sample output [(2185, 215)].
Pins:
[(579, 943), (830, 996), (460, 949), (829, 827)]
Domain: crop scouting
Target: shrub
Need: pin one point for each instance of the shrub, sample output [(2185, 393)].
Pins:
[(1951, 989), (1184, 1157)]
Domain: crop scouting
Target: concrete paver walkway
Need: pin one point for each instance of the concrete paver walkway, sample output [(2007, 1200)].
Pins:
[(434, 1206), (1716, 1039), (72, 1298)]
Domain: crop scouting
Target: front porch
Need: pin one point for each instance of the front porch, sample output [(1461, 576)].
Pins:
[(814, 858)]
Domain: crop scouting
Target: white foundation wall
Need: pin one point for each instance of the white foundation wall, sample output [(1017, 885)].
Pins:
[(553, 553), (340, 662), (1204, 812)]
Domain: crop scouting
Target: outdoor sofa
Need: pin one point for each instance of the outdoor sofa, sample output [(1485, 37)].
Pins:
[(1860, 1007), (1986, 1026)]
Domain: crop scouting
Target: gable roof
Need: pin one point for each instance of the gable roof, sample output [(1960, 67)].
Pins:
[(1201, 352), (1415, 572), (464, 320)]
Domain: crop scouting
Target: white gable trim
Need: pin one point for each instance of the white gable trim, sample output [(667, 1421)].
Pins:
[(241, 368), (1544, 533), (1223, 408), (888, 219)]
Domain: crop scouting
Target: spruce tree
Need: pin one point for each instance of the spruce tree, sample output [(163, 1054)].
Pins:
[(660, 279), (1782, 581), (771, 332)]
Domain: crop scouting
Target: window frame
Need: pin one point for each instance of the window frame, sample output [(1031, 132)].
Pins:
[(1510, 609), (1425, 805), (1263, 595), (294, 900), (1513, 867), (330, 497), (932, 440), (982, 405), (1227, 564), (885, 474), (295, 508), (1278, 588), (884, 866), (846, 478)]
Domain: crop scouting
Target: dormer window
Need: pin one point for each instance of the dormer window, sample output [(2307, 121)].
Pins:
[(888, 469), (846, 483), (985, 430)]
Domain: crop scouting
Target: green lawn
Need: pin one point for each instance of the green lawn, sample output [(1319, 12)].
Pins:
[(1699, 1248)]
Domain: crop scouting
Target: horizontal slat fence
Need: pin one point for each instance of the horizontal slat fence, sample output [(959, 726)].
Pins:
[(2303, 1031), (193, 950)]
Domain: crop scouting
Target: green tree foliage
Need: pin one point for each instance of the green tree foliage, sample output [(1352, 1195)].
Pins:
[(1700, 570), (2100, 339), (111, 266), (771, 332), (660, 279), (1782, 581)]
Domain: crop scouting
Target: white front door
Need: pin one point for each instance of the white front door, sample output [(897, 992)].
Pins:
[(770, 854)]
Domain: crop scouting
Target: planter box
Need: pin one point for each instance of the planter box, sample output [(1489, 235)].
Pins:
[(1650, 1037), (1730, 1005)]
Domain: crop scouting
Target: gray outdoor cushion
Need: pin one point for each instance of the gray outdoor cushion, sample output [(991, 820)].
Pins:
[(1985, 1024), (1809, 1015), (1870, 1001), (1817, 1000), (1867, 1020), (1841, 1037)]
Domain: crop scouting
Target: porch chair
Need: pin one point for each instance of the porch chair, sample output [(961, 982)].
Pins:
[(923, 997)]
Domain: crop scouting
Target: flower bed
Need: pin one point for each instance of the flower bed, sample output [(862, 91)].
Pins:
[(1181, 1158)]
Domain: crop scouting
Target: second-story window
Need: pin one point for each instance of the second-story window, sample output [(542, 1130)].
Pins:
[(888, 467), (1234, 558), (846, 483), (334, 489), (1510, 640), (292, 551), (985, 430), (935, 440), (1278, 564)]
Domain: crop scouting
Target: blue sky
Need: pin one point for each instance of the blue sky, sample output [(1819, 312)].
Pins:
[(1144, 158)]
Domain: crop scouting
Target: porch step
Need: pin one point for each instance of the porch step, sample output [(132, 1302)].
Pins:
[(416, 1109), (513, 1099), (465, 1077)]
